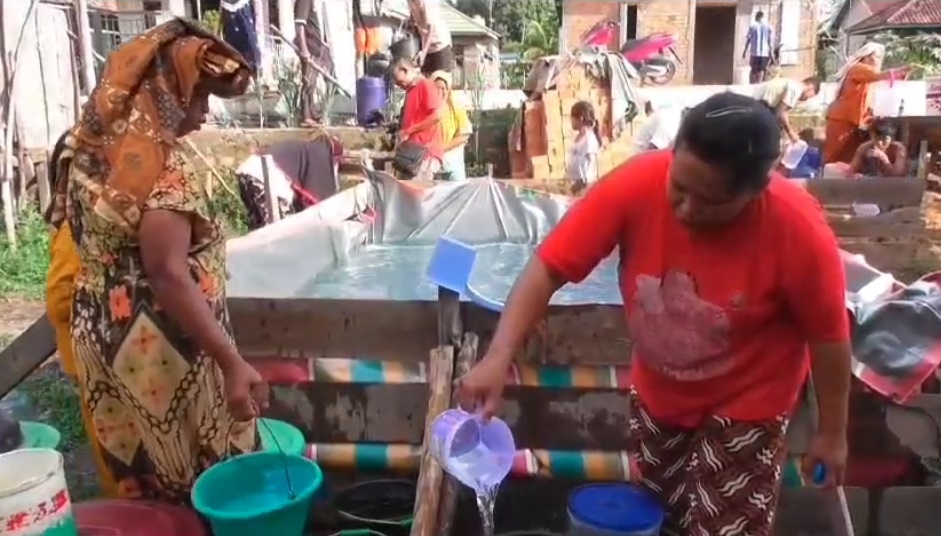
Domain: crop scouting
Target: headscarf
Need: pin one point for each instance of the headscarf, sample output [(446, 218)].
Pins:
[(132, 118), (871, 48), (444, 76)]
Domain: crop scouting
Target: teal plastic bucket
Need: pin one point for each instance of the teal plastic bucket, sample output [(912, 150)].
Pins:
[(280, 436), (250, 495)]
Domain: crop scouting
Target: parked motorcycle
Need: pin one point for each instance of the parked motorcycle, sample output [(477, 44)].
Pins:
[(654, 57)]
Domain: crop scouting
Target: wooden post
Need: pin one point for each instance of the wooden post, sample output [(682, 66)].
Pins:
[(466, 358), (430, 474), (8, 59), (42, 183), (271, 200), (84, 37), (450, 333)]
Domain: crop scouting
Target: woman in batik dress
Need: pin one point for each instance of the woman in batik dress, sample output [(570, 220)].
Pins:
[(168, 392)]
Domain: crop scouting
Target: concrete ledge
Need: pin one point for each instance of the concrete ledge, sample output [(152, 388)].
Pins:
[(909, 511), (810, 512)]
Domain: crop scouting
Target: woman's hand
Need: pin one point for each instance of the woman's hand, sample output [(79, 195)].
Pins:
[(875, 152), (828, 450), (246, 393), (482, 387)]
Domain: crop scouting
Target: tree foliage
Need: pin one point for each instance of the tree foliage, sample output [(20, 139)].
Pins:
[(512, 18)]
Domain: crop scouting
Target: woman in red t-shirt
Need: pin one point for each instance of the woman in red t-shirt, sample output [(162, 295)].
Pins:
[(733, 290)]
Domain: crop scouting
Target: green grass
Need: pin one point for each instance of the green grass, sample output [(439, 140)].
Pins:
[(23, 269)]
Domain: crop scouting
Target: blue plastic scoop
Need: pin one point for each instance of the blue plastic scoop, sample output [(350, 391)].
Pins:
[(451, 266)]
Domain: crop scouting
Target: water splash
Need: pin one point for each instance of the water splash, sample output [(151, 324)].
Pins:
[(486, 500)]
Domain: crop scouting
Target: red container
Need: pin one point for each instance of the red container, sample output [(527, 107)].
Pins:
[(136, 518)]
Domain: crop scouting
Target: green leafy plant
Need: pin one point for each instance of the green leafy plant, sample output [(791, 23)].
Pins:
[(212, 20), (289, 81), (920, 50)]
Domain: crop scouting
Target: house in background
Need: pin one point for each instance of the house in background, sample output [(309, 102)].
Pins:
[(711, 33), (857, 21)]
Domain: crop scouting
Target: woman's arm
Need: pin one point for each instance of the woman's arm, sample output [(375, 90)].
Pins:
[(457, 141), (815, 290), (164, 243), (856, 166), (588, 233), (899, 166)]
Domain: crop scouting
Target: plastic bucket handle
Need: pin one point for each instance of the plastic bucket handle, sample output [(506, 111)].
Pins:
[(281, 451)]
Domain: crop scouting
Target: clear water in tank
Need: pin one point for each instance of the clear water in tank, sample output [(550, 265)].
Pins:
[(397, 272)]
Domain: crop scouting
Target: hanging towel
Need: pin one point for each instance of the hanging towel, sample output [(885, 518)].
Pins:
[(238, 29)]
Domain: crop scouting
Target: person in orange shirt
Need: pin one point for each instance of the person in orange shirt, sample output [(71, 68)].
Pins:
[(849, 115)]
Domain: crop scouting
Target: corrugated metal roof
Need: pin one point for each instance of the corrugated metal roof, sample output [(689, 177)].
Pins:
[(902, 14), (458, 23)]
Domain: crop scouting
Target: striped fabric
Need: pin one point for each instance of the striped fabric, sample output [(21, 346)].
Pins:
[(344, 370), (588, 465), (760, 37)]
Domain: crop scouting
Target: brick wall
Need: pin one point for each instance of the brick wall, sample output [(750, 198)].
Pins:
[(677, 16)]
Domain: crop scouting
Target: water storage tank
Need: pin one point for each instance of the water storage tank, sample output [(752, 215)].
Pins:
[(370, 98), (613, 510)]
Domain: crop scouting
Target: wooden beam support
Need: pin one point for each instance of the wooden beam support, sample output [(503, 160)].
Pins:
[(430, 474), (24, 355), (466, 358)]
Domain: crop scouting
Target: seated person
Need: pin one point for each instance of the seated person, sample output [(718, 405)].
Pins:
[(881, 156), (659, 130)]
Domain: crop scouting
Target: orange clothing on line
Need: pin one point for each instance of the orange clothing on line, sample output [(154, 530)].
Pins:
[(63, 266), (850, 112)]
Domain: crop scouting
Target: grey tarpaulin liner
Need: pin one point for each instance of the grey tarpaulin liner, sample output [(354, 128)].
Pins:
[(282, 260), (305, 255)]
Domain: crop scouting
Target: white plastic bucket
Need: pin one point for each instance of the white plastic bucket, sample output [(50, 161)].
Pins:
[(793, 154), (888, 100), (34, 497)]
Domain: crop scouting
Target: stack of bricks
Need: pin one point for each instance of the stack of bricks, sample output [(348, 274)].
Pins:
[(548, 135)]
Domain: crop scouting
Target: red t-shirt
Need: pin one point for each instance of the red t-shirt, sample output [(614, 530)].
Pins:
[(422, 100), (720, 319)]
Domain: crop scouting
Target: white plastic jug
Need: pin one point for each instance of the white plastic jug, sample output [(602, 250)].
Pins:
[(888, 99), (34, 499), (793, 154)]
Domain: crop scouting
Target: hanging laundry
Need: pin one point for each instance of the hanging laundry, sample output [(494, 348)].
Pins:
[(238, 29)]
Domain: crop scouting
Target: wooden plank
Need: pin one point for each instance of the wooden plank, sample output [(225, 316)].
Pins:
[(575, 334), (466, 358), (373, 329), (29, 350), (886, 256), (405, 330), (883, 191), (431, 473), (899, 223)]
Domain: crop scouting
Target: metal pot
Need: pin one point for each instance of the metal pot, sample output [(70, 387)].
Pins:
[(377, 65), (406, 47)]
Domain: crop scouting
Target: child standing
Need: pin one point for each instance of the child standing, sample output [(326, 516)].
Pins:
[(582, 166)]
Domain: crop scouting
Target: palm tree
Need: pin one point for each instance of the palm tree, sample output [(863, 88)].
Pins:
[(536, 43)]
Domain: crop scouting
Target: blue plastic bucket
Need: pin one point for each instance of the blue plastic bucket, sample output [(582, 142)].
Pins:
[(280, 436), (250, 494), (371, 97), (613, 509)]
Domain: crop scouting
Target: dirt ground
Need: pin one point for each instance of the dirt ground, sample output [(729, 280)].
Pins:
[(17, 314)]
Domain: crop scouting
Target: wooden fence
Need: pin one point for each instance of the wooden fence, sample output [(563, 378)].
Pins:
[(890, 241)]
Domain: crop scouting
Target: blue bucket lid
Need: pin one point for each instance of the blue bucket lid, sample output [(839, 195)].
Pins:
[(616, 507)]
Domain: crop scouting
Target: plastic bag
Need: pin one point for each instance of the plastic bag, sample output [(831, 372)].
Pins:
[(897, 341)]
